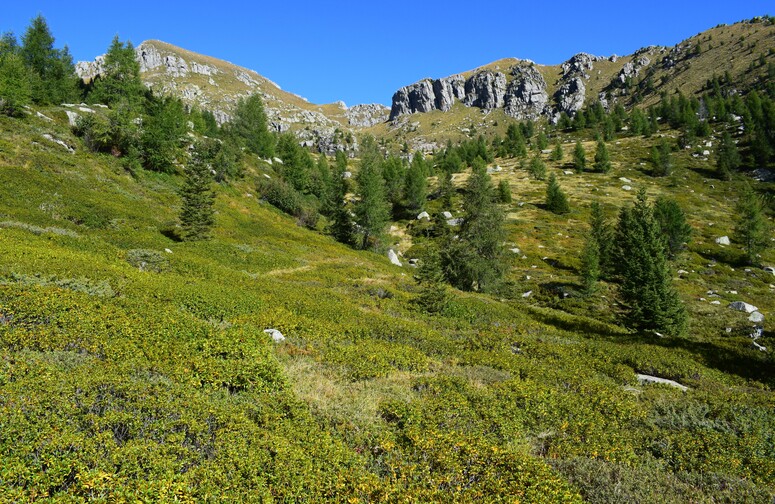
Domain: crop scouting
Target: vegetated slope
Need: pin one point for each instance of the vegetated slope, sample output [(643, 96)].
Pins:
[(133, 366)]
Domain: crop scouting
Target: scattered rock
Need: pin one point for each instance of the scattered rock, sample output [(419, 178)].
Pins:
[(167, 250), (516, 250), (72, 118), (723, 240), (447, 215), (627, 188), (347, 175), (527, 294), (423, 215), (625, 180), (276, 335), (743, 306), (394, 257), (58, 142), (716, 302), (759, 347), (567, 172), (769, 269), (455, 222), (644, 379), (756, 317), (44, 117)]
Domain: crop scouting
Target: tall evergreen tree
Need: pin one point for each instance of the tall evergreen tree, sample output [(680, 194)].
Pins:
[(433, 296), (579, 158), (557, 152), (603, 235), (15, 90), (537, 168), (336, 207), (197, 215), (251, 126), (556, 201), (53, 73), (602, 161), (372, 210), (394, 173), (672, 223), (120, 79), (751, 228), (163, 131), (727, 157), (646, 281), (416, 186), (661, 159), (590, 265), (474, 259)]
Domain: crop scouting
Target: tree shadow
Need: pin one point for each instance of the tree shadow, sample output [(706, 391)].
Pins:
[(172, 234)]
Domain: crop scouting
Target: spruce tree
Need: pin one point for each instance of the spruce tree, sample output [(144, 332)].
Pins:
[(602, 161), (120, 79), (163, 130), (394, 173), (751, 228), (15, 90), (474, 259), (672, 223), (661, 159), (590, 265), (557, 152), (646, 282), (556, 201), (433, 296), (728, 157), (416, 185), (603, 235), (341, 227), (53, 73), (579, 158), (250, 125), (504, 191), (197, 215), (372, 210), (537, 168)]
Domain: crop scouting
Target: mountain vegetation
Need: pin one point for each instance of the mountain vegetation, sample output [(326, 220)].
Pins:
[(202, 310)]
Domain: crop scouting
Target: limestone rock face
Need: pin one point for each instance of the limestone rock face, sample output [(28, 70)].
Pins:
[(447, 90), (526, 96), (486, 90), (368, 115), (570, 96), (579, 64)]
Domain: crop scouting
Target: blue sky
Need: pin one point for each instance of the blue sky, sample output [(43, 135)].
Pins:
[(363, 51)]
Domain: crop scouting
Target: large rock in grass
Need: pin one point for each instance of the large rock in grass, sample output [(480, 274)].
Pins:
[(394, 257), (276, 335), (723, 240), (743, 307)]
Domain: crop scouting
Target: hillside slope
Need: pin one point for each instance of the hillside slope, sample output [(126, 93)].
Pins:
[(135, 367)]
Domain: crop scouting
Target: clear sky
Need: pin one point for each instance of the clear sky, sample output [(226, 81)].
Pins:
[(361, 51)]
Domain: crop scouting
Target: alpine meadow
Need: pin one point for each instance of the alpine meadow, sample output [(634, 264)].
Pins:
[(518, 283)]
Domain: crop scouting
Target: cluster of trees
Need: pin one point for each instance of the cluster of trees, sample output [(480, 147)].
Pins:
[(34, 71), (635, 253)]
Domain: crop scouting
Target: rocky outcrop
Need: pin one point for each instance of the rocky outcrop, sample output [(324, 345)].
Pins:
[(418, 97), (365, 116), (579, 65), (486, 90), (526, 96), (631, 69), (447, 90), (570, 96)]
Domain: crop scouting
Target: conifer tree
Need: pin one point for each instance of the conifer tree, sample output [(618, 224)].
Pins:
[(602, 161), (603, 235), (751, 228), (557, 152), (372, 210), (728, 157), (197, 215), (53, 73), (661, 159), (416, 186), (556, 201), (163, 131), (537, 168), (250, 125), (394, 173), (15, 90), (474, 260), (646, 281), (320, 179), (433, 296), (590, 265), (341, 226), (504, 191), (579, 158), (120, 79), (672, 223)]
